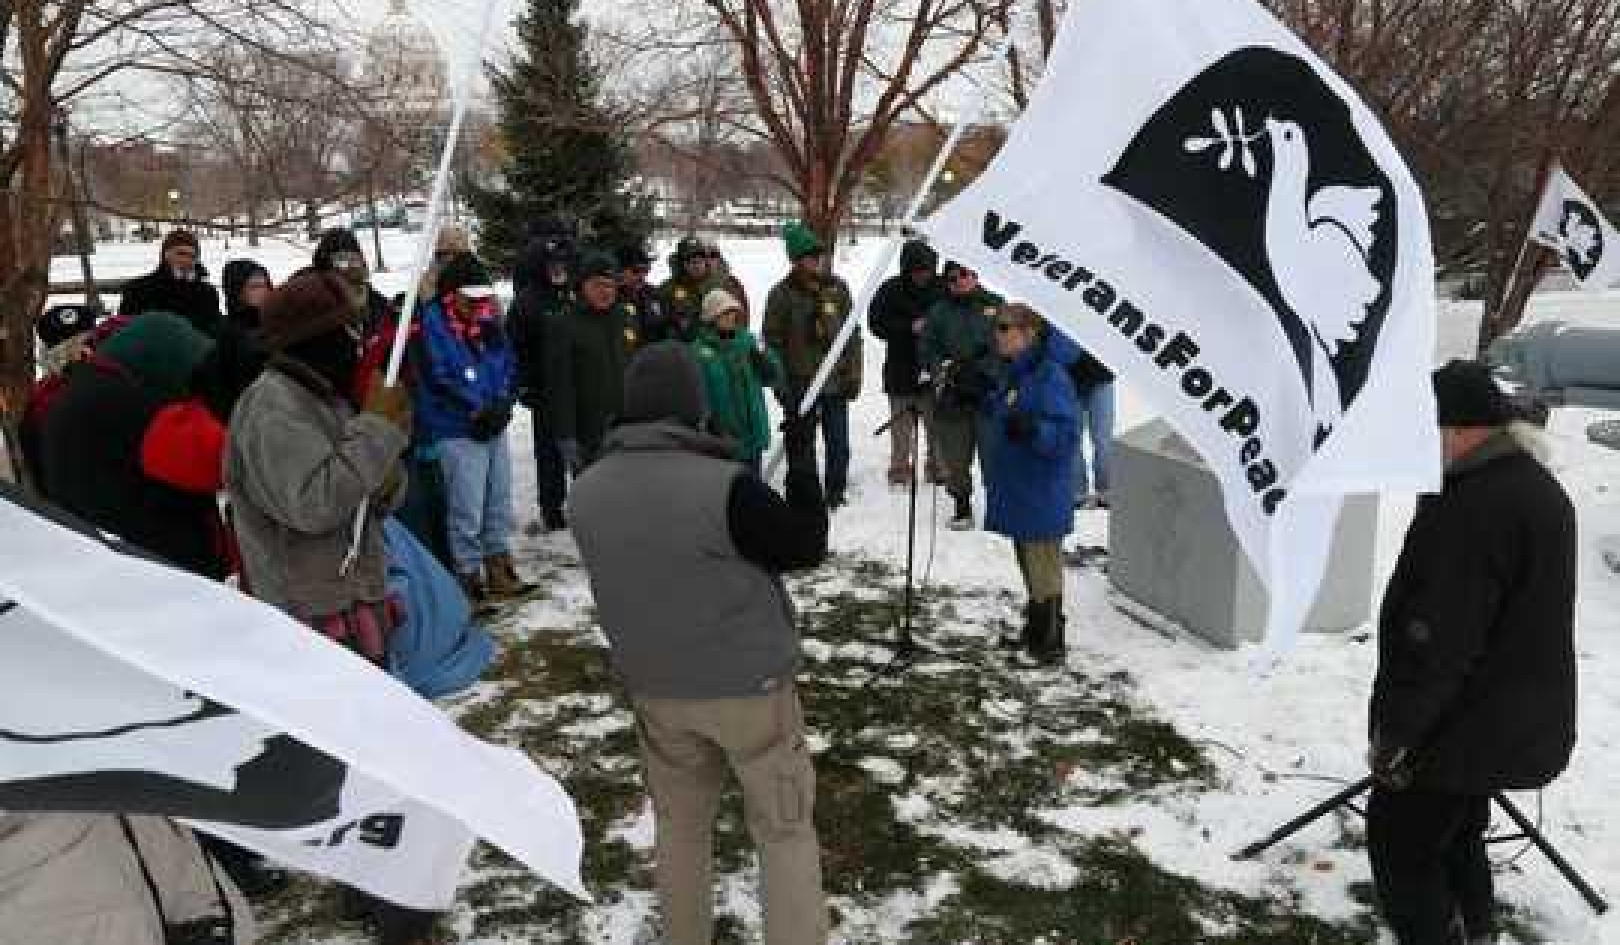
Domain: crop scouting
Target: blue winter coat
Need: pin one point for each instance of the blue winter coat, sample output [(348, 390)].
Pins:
[(1031, 484), (436, 649), (457, 378)]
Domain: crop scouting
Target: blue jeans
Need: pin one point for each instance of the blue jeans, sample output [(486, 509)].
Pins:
[(832, 415), (1097, 424), (478, 493)]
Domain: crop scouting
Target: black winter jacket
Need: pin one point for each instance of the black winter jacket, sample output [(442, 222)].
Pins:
[(1476, 652), (586, 353), (898, 303), (159, 291), (93, 467), (526, 324)]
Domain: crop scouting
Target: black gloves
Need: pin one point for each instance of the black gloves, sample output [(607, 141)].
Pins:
[(490, 422), (1392, 766), (1020, 426), (968, 388)]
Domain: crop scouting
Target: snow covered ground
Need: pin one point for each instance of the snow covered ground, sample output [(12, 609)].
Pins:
[(1282, 741)]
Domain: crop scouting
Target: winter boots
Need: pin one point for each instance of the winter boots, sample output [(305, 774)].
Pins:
[(550, 520), (1042, 636), (1046, 631), (472, 584), (962, 517), (503, 582), (497, 581)]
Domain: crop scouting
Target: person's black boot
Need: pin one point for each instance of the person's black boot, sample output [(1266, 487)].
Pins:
[(1046, 643)]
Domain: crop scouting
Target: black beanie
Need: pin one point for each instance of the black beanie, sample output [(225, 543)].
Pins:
[(664, 382), (917, 254), (61, 322), (596, 263), (1466, 395), (334, 241)]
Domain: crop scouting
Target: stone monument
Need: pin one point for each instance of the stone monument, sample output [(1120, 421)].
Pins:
[(1172, 551)]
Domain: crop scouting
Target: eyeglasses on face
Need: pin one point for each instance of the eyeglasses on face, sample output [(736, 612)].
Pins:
[(1008, 326)]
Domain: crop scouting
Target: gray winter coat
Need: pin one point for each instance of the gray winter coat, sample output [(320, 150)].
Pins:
[(297, 466), (74, 878), (686, 615)]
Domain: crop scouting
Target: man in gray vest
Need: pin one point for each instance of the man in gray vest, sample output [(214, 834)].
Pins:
[(685, 548)]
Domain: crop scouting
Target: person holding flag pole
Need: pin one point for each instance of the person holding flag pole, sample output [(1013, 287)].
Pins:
[(886, 259)]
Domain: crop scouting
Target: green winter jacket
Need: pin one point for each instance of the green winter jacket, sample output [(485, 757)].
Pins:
[(962, 329), (800, 326), (586, 353), (735, 375)]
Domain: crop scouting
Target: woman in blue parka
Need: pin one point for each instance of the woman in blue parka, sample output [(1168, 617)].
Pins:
[(1031, 435)]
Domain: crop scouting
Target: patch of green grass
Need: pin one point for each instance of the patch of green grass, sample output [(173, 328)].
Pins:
[(1118, 896), (917, 756)]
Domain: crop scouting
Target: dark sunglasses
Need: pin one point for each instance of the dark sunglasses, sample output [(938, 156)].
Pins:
[(1008, 326)]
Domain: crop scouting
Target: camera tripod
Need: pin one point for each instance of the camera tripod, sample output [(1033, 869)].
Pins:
[(1529, 832)]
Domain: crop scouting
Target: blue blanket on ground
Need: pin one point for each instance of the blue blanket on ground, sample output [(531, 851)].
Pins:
[(437, 649)]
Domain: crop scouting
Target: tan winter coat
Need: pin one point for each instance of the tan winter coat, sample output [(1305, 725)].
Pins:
[(74, 878)]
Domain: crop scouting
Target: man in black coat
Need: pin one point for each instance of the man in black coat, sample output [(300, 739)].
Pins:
[(1475, 691), (178, 285), (543, 279), (898, 315)]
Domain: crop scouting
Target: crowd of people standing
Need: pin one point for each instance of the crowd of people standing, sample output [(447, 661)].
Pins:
[(249, 433)]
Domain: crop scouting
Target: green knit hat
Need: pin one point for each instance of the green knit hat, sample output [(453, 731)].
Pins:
[(160, 349), (801, 241)]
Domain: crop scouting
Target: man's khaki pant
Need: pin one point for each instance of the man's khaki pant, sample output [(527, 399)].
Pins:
[(1041, 564), (687, 745)]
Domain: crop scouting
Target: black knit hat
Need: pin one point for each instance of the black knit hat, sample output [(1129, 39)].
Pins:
[(465, 274), (689, 248), (917, 254), (334, 241), (1466, 395), (664, 383), (61, 322), (596, 263), (633, 255)]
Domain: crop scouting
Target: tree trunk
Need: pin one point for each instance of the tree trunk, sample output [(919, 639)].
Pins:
[(27, 221)]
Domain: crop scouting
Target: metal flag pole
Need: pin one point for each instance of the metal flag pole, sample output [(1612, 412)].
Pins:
[(424, 252), (874, 276), (1529, 234)]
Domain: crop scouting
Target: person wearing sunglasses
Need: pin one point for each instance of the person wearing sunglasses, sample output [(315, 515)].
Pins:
[(339, 251), (1031, 434), (721, 277), (962, 369)]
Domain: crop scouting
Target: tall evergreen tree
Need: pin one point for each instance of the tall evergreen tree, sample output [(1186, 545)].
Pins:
[(567, 157)]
